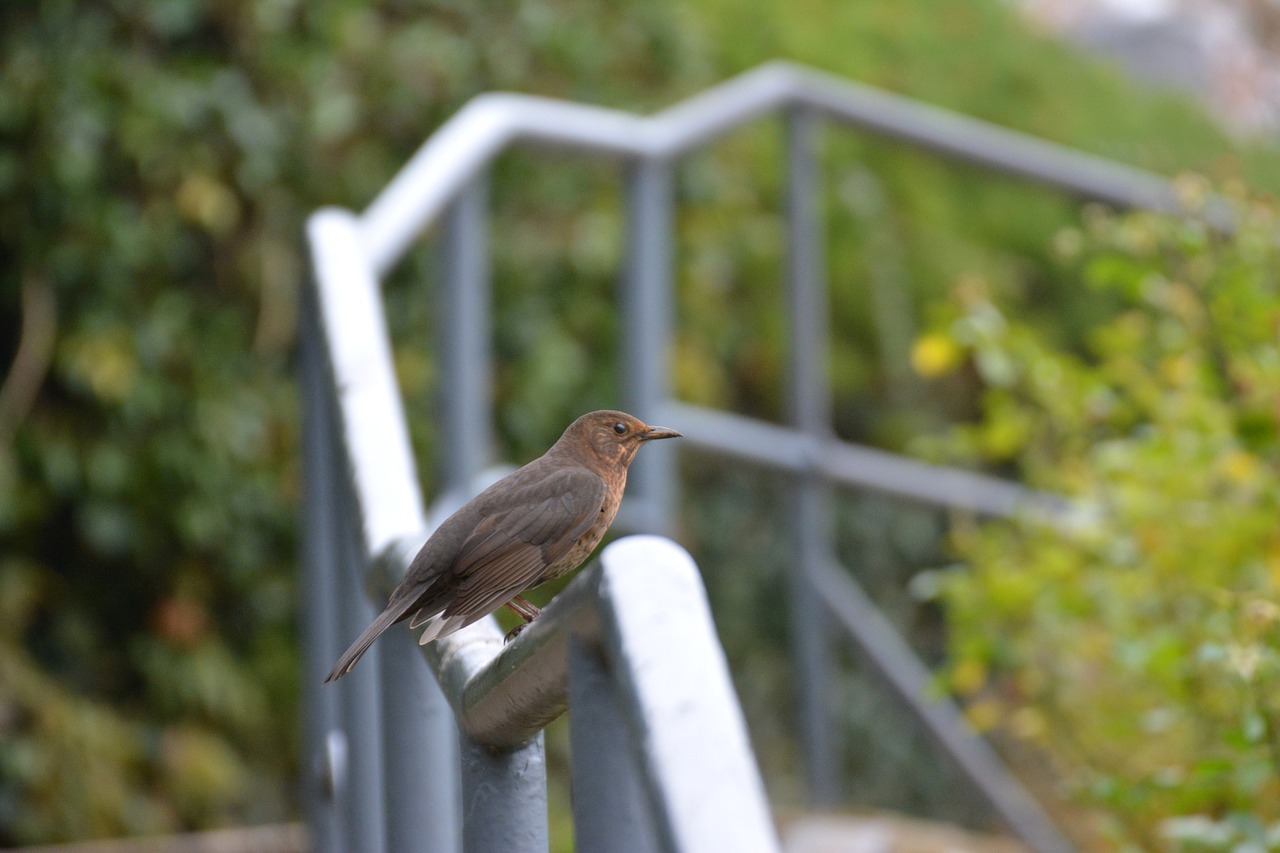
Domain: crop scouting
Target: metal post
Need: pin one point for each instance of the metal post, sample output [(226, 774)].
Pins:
[(695, 756), (362, 798), (611, 809), (504, 798), (645, 610), (423, 800), (372, 498), (345, 738), (504, 793), (464, 352), (320, 778), (809, 411), (646, 318)]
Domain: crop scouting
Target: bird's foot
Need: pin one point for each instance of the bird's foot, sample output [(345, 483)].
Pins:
[(523, 608)]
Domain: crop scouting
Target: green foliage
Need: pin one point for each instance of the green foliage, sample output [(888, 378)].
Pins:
[(159, 159), (1137, 638)]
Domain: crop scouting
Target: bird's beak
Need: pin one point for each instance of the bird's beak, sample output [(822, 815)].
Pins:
[(655, 433)]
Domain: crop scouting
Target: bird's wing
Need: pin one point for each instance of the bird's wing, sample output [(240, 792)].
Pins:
[(534, 528)]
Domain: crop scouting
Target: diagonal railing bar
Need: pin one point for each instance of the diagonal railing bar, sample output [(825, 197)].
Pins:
[(372, 435), (913, 685), (462, 147)]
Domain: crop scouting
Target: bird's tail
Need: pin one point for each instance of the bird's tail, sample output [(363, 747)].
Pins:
[(351, 656), (442, 626)]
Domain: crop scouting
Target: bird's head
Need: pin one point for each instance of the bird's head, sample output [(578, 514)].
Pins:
[(611, 437)]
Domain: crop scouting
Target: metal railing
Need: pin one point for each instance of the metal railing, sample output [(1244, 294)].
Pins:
[(661, 756), (384, 737)]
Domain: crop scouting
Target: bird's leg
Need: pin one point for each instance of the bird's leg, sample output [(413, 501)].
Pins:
[(526, 610), (523, 608)]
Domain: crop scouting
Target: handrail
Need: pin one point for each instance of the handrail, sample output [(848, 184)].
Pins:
[(461, 148), (484, 678)]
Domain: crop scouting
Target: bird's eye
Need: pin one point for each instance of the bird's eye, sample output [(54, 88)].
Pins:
[(620, 428)]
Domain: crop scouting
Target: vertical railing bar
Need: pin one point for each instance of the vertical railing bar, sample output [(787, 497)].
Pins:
[(504, 794), (611, 807), (423, 795), (504, 798), (808, 395), (808, 401), (356, 738), (362, 798), (465, 339), (320, 643), (694, 753), (423, 800), (645, 312)]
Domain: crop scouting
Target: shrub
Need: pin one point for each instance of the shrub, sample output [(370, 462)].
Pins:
[(1136, 638)]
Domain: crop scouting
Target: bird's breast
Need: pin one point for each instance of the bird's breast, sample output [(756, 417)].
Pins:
[(587, 542)]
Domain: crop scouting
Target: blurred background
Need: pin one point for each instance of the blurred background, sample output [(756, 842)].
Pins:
[(157, 162)]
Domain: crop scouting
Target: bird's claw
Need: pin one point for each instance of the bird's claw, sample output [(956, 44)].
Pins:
[(514, 632)]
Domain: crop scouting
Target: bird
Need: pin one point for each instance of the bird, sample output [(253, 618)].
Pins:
[(536, 524)]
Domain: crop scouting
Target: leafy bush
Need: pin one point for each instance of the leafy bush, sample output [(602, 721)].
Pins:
[(1136, 638), (159, 160)]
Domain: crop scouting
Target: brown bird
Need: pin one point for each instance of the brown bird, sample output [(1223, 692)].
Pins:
[(532, 526)]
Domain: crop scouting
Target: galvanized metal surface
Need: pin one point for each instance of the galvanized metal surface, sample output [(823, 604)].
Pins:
[(319, 778), (612, 812), (504, 801), (658, 636), (465, 145), (423, 795), (362, 794), (808, 411), (345, 785), (645, 300), (843, 463), (371, 432), (349, 390), (466, 366)]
